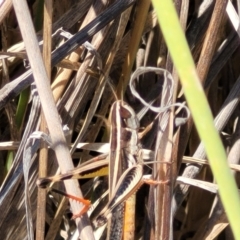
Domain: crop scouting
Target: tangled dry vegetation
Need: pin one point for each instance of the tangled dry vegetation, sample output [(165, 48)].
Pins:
[(86, 78)]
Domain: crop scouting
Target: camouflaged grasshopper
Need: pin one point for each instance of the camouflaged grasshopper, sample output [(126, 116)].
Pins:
[(125, 153)]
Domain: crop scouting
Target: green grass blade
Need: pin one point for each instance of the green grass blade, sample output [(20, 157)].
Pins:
[(200, 110)]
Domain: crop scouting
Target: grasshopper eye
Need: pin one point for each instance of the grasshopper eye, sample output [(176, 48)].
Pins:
[(129, 117), (125, 113)]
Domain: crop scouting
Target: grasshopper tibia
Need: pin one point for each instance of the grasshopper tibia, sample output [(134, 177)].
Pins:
[(86, 202)]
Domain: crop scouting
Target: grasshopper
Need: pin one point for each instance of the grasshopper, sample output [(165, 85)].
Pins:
[(125, 153)]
